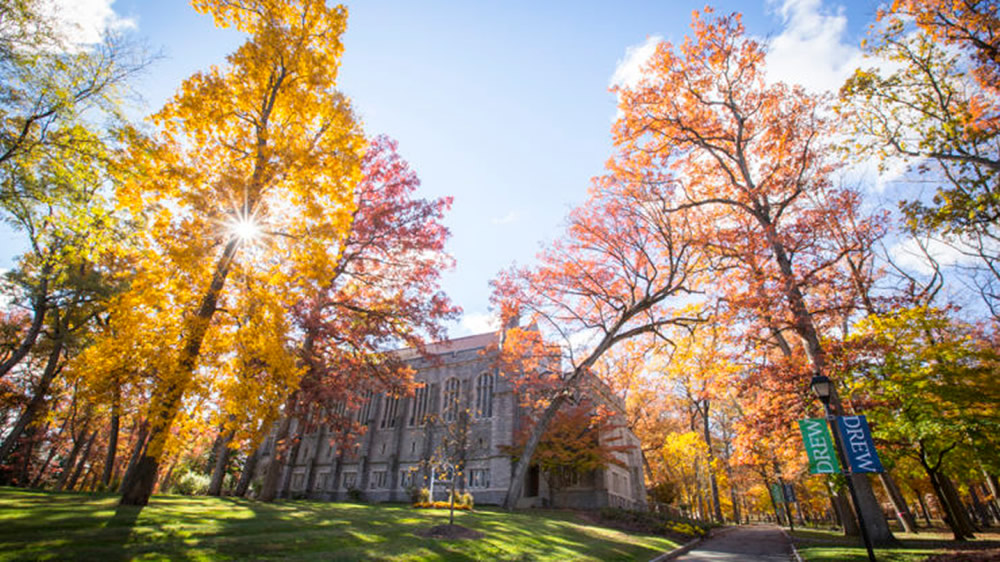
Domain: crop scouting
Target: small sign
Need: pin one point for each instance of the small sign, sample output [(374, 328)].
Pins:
[(776, 493), (861, 454), (819, 446), (790, 493)]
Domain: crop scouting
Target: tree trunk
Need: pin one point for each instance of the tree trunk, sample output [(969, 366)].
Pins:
[(272, 474), (221, 462), (167, 396), (39, 307), (978, 508), (52, 368), (962, 518), (53, 448), (923, 508), (994, 487), (133, 460), (521, 467), (247, 475), (40, 473), (949, 517), (716, 504), (734, 497), (70, 462), (84, 457), (167, 480), (848, 520), (902, 510), (109, 458)]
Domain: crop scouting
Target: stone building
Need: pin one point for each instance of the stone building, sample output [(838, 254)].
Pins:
[(391, 457)]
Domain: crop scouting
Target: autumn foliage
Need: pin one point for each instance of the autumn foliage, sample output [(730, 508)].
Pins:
[(253, 257)]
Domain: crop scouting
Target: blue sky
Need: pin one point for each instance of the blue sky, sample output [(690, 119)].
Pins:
[(502, 105)]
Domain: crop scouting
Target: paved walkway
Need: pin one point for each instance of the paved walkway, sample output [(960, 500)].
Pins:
[(758, 543)]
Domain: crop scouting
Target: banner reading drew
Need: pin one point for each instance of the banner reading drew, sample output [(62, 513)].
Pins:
[(819, 446), (858, 442)]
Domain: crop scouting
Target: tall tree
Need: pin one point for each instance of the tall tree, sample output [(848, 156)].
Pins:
[(384, 295), (746, 161), (622, 270), (73, 266), (935, 108), (254, 171), (927, 383)]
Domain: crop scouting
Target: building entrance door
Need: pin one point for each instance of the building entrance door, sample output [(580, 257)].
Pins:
[(532, 484)]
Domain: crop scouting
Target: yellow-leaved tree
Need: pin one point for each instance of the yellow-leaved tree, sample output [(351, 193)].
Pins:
[(250, 176)]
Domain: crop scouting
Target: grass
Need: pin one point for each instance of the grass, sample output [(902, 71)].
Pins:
[(58, 526), (832, 546)]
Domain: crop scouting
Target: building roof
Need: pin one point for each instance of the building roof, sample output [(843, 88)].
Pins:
[(465, 343)]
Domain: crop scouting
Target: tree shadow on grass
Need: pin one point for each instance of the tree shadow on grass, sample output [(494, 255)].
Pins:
[(117, 531)]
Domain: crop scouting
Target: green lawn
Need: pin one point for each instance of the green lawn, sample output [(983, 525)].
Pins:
[(832, 546), (45, 525)]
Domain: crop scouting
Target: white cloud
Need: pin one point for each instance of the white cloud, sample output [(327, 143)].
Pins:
[(908, 255), (509, 218), (478, 323), (629, 69), (812, 50), (84, 22)]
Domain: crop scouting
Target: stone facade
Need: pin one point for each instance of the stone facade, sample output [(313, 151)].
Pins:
[(390, 458)]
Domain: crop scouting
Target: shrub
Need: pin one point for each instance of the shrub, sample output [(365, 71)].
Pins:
[(355, 495), (441, 505), (423, 495), (468, 500), (191, 484), (686, 529)]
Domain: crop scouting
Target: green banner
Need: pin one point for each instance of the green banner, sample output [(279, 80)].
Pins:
[(819, 446), (776, 493)]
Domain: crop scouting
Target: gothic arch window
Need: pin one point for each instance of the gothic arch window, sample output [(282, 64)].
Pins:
[(451, 399), (418, 413), (484, 396), (389, 412), (368, 402)]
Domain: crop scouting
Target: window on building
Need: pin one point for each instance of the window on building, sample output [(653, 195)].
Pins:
[(367, 405), (569, 477), (297, 480), (389, 412), (406, 478), (418, 413), (350, 480), (379, 480), (451, 400), (324, 480), (484, 396), (479, 478)]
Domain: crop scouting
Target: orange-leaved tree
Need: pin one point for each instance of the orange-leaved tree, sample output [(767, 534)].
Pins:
[(745, 161), (252, 173), (621, 270)]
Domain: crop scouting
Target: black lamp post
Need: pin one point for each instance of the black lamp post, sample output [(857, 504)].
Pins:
[(822, 386)]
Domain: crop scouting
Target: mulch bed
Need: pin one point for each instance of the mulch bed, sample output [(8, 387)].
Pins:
[(450, 532)]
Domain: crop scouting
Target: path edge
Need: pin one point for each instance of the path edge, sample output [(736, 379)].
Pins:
[(791, 541), (686, 547)]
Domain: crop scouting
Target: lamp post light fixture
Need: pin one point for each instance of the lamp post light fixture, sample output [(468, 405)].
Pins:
[(822, 386)]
